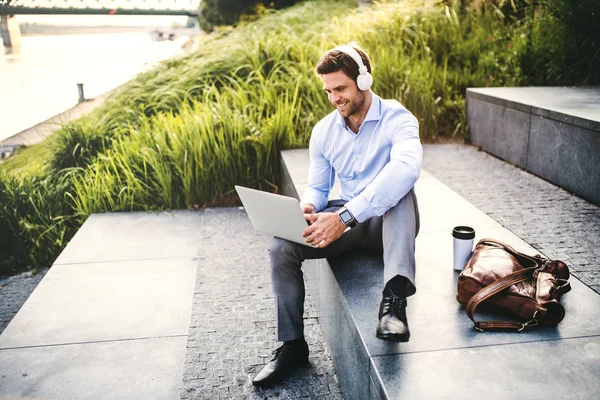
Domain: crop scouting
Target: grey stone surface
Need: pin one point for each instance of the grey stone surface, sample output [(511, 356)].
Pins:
[(565, 369), (287, 187), (348, 300), (552, 132), (441, 209), (499, 129), (577, 106), (556, 223), (566, 155), (230, 336), (296, 164), (132, 369), (434, 304), (125, 314), (232, 330), (134, 236), (348, 293), (79, 303), (339, 329), (14, 291)]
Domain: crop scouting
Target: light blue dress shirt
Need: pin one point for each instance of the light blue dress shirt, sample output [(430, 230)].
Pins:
[(377, 166)]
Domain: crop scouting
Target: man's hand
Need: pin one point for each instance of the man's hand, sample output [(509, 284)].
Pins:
[(325, 228), (309, 208)]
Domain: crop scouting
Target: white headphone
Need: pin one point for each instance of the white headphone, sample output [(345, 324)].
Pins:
[(364, 80)]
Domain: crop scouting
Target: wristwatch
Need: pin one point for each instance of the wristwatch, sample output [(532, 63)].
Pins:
[(346, 217)]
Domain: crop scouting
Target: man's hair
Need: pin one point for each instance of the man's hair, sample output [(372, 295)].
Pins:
[(335, 60)]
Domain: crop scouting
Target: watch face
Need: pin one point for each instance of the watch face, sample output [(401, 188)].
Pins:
[(346, 216)]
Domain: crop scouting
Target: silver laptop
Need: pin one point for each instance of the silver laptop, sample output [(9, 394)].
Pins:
[(280, 216)]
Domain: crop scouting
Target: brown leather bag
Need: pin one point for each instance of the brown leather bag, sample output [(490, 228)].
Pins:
[(528, 287)]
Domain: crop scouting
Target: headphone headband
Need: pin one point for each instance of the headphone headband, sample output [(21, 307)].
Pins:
[(355, 56), (364, 80)]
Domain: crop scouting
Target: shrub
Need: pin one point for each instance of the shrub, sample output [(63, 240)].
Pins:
[(36, 222)]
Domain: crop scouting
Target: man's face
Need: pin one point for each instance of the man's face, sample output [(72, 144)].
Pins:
[(343, 93)]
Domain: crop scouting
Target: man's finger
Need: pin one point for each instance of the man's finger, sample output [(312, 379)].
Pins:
[(310, 217)]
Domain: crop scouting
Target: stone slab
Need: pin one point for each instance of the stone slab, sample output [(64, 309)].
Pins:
[(557, 369), (134, 236), (339, 329), (573, 105), (347, 296), (551, 132), (499, 129), (437, 320), (295, 163), (566, 155), (132, 369), (106, 301), (441, 208), (287, 187)]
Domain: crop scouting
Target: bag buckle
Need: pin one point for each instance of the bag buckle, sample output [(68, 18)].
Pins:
[(532, 322)]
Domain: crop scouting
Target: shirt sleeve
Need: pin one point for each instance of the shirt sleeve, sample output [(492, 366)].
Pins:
[(398, 176), (321, 175)]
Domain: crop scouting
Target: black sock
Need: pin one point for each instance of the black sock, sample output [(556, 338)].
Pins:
[(296, 342), (398, 285)]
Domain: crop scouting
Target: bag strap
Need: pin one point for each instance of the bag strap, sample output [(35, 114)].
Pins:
[(495, 288), (498, 286), (537, 260)]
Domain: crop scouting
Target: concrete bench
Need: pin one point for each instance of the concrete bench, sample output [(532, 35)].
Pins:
[(446, 358), (552, 132)]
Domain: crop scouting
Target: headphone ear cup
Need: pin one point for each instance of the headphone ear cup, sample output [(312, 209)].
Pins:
[(364, 81)]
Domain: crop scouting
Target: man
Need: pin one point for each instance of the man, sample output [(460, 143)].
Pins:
[(373, 145)]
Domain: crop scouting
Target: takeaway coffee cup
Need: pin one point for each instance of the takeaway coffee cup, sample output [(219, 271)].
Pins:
[(463, 245)]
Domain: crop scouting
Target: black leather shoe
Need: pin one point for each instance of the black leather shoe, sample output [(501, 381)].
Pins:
[(393, 325), (287, 358)]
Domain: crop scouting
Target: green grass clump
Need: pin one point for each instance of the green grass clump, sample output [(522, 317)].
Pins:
[(36, 221)]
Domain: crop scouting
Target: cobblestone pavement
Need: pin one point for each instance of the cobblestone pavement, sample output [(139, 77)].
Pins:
[(232, 330), (555, 222), (14, 291)]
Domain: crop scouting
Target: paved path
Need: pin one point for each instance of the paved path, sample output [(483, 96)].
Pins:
[(232, 330), (557, 223)]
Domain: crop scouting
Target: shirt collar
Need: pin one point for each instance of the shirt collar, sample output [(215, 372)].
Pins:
[(373, 114)]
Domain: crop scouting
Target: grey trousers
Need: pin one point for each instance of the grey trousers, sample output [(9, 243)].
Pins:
[(393, 233)]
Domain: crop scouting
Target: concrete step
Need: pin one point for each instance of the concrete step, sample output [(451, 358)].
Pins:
[(446, 358), (110, 320)]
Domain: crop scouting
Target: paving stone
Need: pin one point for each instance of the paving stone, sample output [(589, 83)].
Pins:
[(232, 334), (554, 221)]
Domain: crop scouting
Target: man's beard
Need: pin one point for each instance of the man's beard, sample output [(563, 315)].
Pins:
[(354, 105)]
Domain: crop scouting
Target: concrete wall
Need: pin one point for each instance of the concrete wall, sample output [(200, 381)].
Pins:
[(553, 133)]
